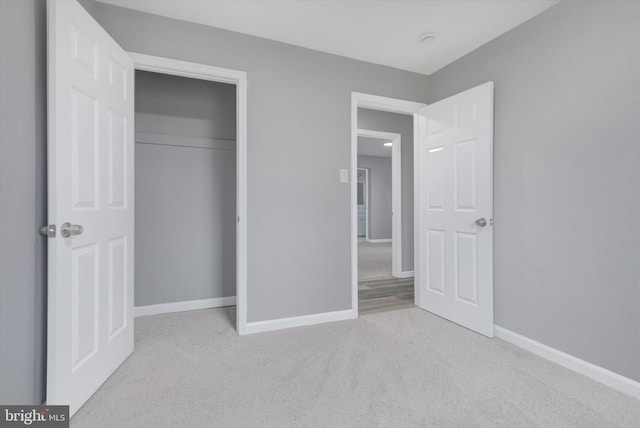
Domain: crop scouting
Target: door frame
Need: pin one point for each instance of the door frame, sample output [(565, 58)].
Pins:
[(391, 105), (238, 78), (396, 197)]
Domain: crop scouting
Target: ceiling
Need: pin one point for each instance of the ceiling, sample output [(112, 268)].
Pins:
[(373, 147), (377, 31)]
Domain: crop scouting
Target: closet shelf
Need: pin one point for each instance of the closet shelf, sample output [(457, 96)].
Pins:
[(185, 141)]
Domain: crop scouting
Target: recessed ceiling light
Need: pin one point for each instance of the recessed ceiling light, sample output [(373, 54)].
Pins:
[(388, 144), (428, 38)]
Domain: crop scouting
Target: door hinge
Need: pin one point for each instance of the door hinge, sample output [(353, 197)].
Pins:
[(48, 230)]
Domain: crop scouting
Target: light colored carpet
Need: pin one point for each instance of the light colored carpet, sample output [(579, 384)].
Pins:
[(374, 260), (404, 368)]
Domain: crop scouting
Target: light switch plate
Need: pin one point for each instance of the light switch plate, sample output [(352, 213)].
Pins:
[(344, 176)]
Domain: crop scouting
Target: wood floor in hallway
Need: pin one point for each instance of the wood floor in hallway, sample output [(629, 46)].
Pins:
[(384, 294)]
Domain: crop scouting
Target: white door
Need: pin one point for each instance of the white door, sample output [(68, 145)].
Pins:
[(455, 209), (90, 184)]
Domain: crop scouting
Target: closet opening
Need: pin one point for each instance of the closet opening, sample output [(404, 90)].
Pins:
[(185, 194)]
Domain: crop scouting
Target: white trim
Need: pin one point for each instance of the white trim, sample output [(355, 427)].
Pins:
[(396, 193), (405, 274), (379, 241), (185, 141), (391, 105), (188, 305), (238, 78), (191, 70), (379, 135), (419, 131), (304, 320), (373, 102), (597, 373), (354, 203)]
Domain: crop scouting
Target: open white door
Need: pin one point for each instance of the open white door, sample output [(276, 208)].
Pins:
[(455, 209), (90, 184)]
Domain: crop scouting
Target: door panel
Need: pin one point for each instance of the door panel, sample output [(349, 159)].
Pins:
[(466, 178), (466, 263), (84, 150), (455, 254), (117, 287), (90, 183), (435, 178), (435, 257), (84, 304)]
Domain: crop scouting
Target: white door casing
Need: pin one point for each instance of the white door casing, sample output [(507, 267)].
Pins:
[(454, 273), (90, 183), (238, 78), (380, 103)]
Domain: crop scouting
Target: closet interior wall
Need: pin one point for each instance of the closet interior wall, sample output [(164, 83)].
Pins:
[(185, 189)]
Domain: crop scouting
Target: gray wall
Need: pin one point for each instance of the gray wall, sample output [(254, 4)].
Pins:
[(176, 105), (299, 109), (380, 202), (567, 121), (401, 124), (185, 195), (22, 201)]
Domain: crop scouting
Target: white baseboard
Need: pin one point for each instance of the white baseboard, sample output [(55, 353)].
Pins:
[(597, 373), (282, 323), (378, 241), (189, 305), (405, 274)]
